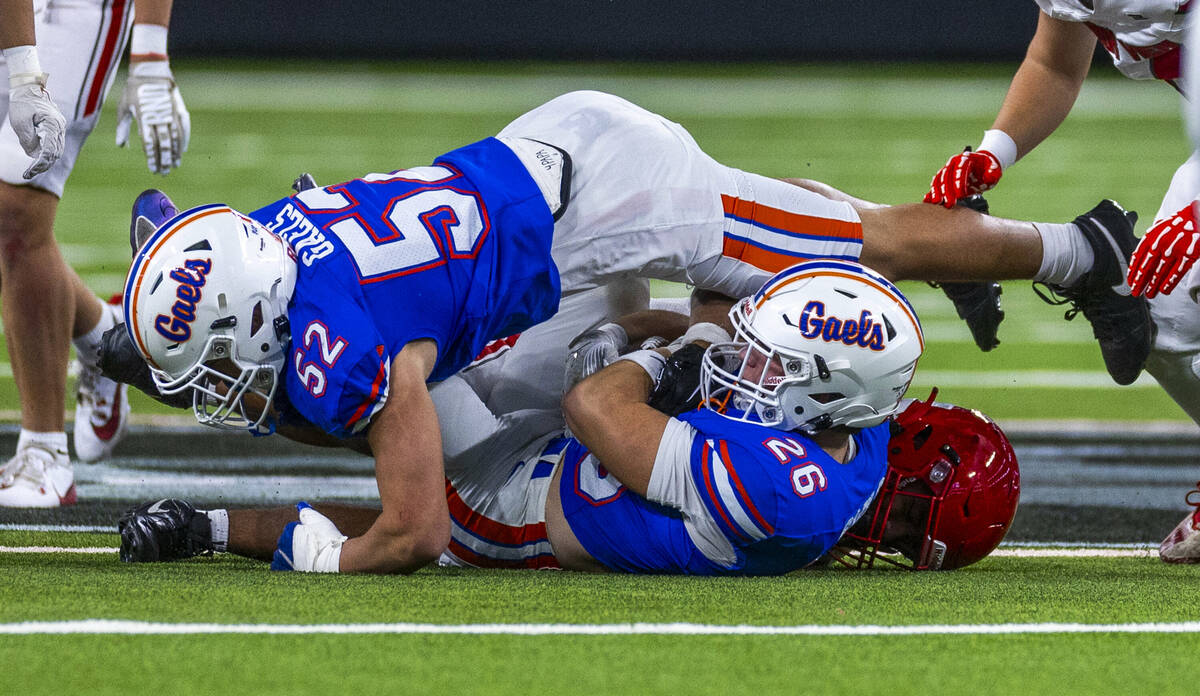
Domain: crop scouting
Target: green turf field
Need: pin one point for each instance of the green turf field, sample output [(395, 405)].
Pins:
[(879, 133), (1113, 621), (522, 632)]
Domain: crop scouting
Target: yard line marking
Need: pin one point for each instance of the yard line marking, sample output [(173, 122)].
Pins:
[(92, 528), (57, 549), (1074, 553), (109, 627)]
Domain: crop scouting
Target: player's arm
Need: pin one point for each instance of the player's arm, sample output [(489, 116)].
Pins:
[(17, 27), (1040, 96), (414, 527), (1047, 82), (39, 125), (608, 413), (150, 96)]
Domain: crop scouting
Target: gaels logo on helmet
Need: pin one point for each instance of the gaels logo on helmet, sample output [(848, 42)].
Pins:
[(191, 276), (863, 332)]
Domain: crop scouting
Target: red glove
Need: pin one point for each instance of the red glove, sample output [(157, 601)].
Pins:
[(1165, 254), (965, 174)]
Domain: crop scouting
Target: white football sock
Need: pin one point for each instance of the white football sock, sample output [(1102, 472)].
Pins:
[(87, 346), (1066, 254), (55, 441)]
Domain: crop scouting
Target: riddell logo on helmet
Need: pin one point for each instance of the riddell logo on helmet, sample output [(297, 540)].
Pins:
[(863, 331), (191, 276)]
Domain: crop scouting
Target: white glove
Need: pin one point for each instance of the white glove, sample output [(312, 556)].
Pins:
[(312, 545), (39, 125), (591, 351), (151, 97)]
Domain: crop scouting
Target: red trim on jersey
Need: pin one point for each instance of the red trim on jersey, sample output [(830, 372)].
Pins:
[(489, 529), (497, 346), (478, 560), (115, 26), (741, 490), (375, 388), (789, 221), (714, 496)]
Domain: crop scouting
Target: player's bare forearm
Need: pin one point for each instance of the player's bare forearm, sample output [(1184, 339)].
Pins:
[(16, 23), (1047, 83), (414, 527), (255, 533), (608, 413), (653, 322), (152, 12)]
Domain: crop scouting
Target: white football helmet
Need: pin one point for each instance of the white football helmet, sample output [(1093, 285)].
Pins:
[(206, 305), (821, 344)]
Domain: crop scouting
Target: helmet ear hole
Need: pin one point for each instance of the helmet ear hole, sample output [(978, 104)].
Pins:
[(826, 397), (256, 319)]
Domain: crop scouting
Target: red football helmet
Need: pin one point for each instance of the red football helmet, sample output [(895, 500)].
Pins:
[(948, 498)]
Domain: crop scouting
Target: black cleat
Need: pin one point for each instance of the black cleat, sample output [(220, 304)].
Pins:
[(1120, 321), (977, 303), (164, 530)]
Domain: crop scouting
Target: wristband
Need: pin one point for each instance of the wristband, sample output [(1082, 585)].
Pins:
[(649, 360), (149, 42), (23, 66), (1001, 145), (706, 331)]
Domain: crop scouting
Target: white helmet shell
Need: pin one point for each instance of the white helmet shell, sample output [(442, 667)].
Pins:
[(206, 306), (824, 343)]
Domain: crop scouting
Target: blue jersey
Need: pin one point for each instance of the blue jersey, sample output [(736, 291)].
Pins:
[(457, 252), (773, 498)]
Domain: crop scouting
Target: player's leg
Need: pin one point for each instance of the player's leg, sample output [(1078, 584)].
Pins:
[(38, 302), (45, 303), (1175, 360)]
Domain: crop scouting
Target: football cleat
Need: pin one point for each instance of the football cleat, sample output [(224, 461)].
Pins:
[(164, 530), (101, 409), (37, 478), (1182, 545), (977, 303), (1120, 321), (150, 210)]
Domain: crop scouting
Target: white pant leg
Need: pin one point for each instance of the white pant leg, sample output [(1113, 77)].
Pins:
[(646, 201), (530, 374), (80, 44), (1175, 358)]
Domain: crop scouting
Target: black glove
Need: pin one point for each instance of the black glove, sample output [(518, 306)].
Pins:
[(121, 362), (678, 389), (164, 530)]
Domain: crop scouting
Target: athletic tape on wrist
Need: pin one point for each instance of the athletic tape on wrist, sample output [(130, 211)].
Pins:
[(148, 42), (649, 360), (22, 60)]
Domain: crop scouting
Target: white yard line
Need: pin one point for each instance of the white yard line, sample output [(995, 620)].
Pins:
[(58, 549), (109, 627)]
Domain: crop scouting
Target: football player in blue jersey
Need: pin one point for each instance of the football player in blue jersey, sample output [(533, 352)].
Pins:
[(789, 450), (326, 314)]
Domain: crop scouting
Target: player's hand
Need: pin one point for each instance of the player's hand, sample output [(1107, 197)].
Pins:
[(151, 97), (1165, 254), (312, 545), (39, 125), (593, 350), (965, 174)]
